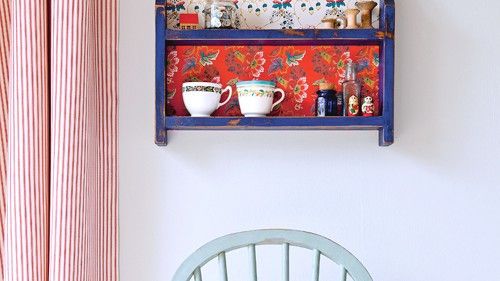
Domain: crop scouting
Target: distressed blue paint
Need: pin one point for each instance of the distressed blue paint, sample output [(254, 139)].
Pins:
[(275, 37), (383, 37), (386, 133), (274, 123), (161, 132)]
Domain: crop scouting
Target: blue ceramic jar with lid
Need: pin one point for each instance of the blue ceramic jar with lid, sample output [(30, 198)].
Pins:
[(326, 102)]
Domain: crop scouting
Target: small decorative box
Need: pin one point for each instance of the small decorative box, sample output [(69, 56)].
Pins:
[(188, 21)]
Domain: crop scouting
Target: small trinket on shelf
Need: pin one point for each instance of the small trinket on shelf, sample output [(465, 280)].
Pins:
[(341, 22), (368, 107), (352, 91), (188, 21), (366, 8), (329, 23), (326, 102), (353, 106), (336, 22), (340, 104), (221, 14), (351, 15)]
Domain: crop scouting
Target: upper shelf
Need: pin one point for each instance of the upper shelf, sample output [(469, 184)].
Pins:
[(275, 36)]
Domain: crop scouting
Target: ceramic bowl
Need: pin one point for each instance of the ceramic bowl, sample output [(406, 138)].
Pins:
[(203, 98), (256, 97)]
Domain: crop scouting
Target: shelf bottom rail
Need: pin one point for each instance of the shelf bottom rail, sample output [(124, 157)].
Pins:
[(282, 123), (273, 123)]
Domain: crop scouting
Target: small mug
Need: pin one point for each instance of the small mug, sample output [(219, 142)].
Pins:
[(256, 97), (203, 98)]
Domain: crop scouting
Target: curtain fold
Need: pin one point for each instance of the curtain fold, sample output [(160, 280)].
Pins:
[(58, 140), (4, 106)]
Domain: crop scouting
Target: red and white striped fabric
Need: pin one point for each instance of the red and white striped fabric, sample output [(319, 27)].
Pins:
[(58, 140)]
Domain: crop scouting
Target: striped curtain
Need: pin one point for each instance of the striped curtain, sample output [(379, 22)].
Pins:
[(58, 140)]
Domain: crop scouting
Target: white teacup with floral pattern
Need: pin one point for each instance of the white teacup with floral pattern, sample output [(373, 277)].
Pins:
[(203, 98), (256, 97)]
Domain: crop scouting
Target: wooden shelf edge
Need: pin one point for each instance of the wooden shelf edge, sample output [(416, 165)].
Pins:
[(273, 123), (280, 36)]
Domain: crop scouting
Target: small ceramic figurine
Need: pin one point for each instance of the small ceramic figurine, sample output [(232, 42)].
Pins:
[(351, 18), (366, 8), (353, 106), (188, 21), (368, 108)]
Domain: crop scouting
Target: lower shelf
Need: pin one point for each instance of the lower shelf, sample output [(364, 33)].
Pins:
[(274, 123), (386, 137)]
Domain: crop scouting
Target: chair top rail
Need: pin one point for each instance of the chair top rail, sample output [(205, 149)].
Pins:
[(307, 240)]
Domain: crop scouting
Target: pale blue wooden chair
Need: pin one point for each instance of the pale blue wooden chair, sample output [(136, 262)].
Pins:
[(319, 245)]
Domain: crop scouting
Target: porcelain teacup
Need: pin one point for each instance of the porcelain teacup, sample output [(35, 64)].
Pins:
[(203, 98), (256, 97)]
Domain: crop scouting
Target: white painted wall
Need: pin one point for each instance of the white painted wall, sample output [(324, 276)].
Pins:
[(426, 208)]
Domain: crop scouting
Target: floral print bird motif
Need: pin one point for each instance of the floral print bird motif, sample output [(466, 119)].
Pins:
[(277, 64), (293, 59), (207, 59)]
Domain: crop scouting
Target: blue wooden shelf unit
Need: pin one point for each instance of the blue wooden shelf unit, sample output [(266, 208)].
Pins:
[(382, 37)]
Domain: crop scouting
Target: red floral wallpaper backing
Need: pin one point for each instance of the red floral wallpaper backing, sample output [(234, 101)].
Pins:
[(295, 69)]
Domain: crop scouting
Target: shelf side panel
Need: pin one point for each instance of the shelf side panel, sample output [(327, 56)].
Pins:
[(386, 133), (160, 64)]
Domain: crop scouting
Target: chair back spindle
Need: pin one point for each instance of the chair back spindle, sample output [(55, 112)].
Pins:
[(316, 260), (286, 262), (343, 274), (222, 266), (253, 262), (197, 274)]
